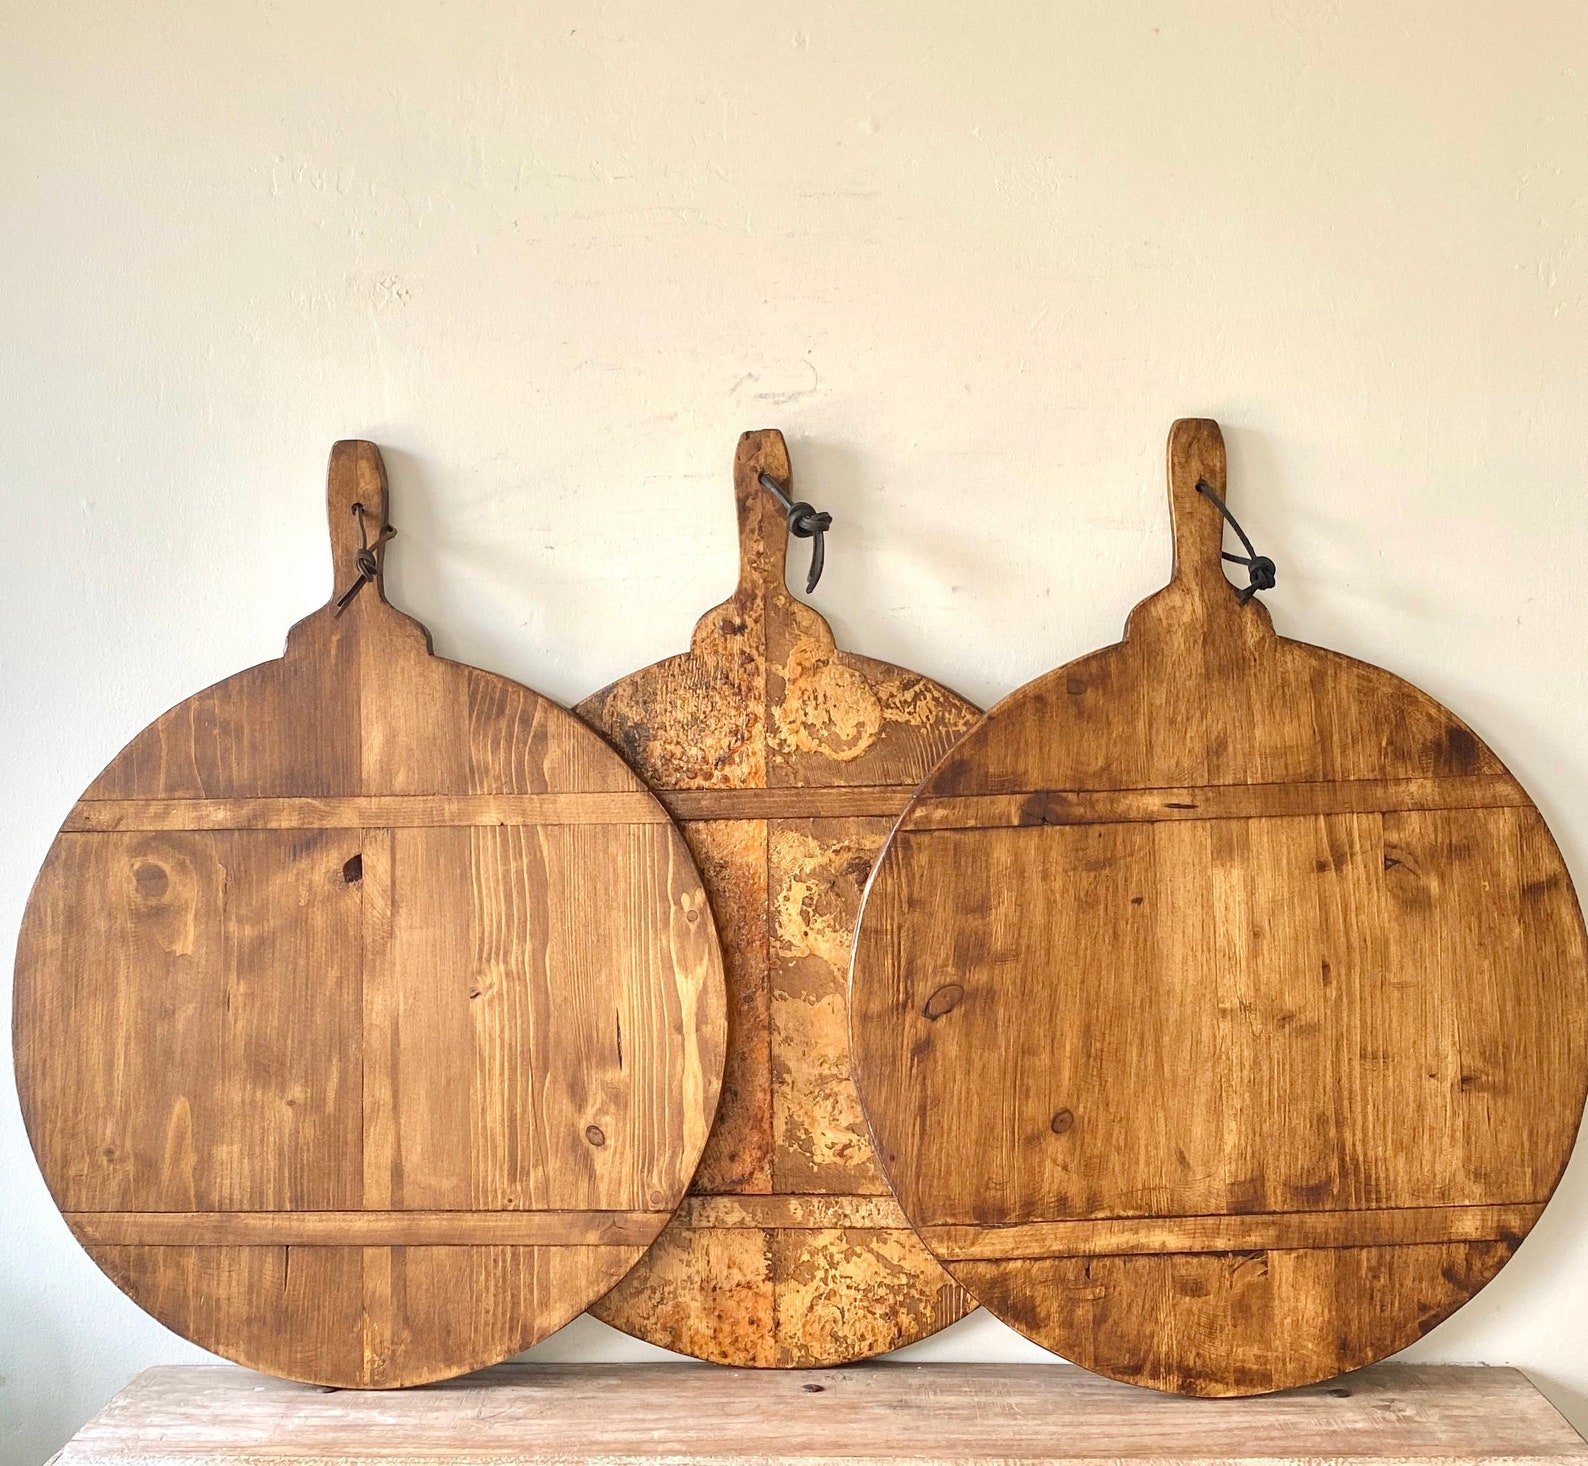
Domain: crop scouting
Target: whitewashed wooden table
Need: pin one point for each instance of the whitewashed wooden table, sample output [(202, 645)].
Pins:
[(874, 1415)]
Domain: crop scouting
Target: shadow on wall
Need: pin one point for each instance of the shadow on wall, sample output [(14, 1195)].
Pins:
[(1571, 1401), (36, 1396), (69, 1338)]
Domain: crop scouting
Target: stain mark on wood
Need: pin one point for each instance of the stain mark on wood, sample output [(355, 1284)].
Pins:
[(943, 1001)]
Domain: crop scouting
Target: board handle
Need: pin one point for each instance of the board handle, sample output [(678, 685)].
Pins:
[(1196, 456), (356, 510), (763, 526)]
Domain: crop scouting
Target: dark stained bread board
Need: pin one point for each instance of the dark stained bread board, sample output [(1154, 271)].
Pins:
[(787, 761), (369, 1014), (1218, 1003)]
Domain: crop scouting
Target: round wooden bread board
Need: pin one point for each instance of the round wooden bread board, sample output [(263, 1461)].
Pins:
[(369, 1012), (786, 762), (1218, 1002)]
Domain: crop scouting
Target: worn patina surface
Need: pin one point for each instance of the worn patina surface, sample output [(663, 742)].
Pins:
[(786, 760)]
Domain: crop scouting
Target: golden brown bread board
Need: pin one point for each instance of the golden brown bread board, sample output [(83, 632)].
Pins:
[(369, 1014), (1218, 1002), (786, 760)]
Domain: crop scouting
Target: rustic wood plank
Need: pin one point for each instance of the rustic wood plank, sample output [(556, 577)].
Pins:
[(799, 802), (369, 1013), (375, 812), (1212, 802), (789, 1211), (371, 1228), (1216, 925), (414, 811), (1253, 1232), (890, 1415), (787, 759)]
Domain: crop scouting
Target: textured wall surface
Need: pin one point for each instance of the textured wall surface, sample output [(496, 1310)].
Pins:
[(972, 259)]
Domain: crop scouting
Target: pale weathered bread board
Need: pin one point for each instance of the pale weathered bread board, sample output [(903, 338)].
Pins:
[(786, 760)]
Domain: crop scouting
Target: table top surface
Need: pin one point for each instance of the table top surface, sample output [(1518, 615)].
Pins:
[(877, 1414)]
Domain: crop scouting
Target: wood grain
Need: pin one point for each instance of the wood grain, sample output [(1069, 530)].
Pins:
[(787, 759), (894, 1415), (1218, 1004), (366, 1228), (417, 811), (1252, 1232), (369, 1014)]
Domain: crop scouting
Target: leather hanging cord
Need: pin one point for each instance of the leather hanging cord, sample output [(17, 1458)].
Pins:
[(368, 565), (804, 522), (1260, 569)]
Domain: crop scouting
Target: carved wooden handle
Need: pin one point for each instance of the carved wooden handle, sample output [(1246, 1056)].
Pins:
[(356, 477), (1196, 455), (763, 527)]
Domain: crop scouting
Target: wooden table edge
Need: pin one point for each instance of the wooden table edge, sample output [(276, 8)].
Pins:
[(1412, 1435)]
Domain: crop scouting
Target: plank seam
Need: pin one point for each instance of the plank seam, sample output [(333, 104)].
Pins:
[(1038, 809)]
